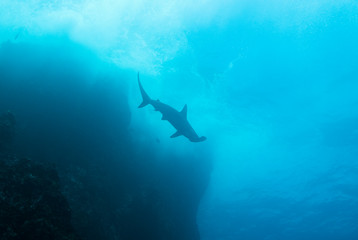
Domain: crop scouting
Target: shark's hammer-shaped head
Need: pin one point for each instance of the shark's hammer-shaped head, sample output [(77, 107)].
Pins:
[(198, 139)]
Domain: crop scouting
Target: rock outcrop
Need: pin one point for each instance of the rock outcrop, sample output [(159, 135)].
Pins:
[(105, 184)]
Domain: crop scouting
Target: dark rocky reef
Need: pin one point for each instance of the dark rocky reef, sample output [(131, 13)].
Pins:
[(159, 205), (106, 185), (31, 203)]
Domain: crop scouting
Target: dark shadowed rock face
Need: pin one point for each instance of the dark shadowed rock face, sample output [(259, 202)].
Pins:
[(137, 201), (107, 187), (7, 130), (167, 208), (31, 203)]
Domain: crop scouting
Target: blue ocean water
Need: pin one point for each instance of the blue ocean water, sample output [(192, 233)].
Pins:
[(272, 84)]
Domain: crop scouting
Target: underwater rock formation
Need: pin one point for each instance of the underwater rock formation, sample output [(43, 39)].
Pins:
[(167, 208), (160, 204), (109, 186), (31, 203), (7, 130)]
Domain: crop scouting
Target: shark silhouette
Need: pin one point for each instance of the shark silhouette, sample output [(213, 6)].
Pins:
[(177, 119)]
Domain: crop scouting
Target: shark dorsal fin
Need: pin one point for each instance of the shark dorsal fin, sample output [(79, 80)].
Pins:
[(176, 134), (184, 111)]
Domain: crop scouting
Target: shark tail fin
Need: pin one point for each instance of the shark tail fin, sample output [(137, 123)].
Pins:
[(146, 98)]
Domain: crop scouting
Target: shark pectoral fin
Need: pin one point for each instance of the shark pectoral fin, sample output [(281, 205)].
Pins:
[(184, 111), (164, 118), (177, 134)]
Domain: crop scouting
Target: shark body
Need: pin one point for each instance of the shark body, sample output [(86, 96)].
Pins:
[(177, 119)]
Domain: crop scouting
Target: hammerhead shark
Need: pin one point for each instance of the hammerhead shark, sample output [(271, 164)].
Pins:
[(177, 119)]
